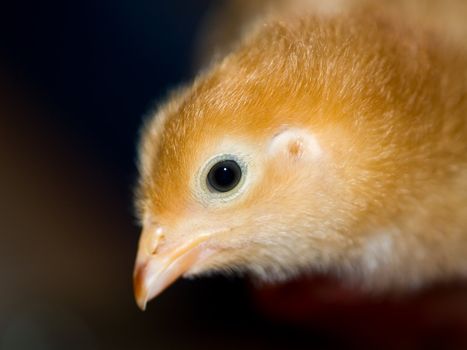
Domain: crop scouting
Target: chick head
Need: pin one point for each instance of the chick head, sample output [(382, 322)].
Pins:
[(256, 165)]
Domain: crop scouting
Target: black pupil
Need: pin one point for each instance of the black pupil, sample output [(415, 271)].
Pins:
[(224, 176)]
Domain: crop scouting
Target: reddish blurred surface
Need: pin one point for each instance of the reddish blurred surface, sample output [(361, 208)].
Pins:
[(434, 318)]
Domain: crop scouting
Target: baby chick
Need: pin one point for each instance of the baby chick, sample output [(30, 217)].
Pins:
[(331, 143)]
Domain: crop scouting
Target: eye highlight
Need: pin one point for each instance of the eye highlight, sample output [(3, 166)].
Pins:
[(224, 176)]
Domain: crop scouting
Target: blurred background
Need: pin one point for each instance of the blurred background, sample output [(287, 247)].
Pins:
[(76, 79)]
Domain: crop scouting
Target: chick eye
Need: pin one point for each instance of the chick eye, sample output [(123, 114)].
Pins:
[(224, 176)]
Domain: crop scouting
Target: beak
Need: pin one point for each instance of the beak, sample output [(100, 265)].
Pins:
[(156, 271)]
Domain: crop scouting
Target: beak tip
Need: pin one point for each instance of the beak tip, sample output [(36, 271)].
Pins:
[(141, 304), (140, 291)]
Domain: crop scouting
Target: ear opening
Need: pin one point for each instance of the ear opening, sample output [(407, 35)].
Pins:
[(295, 144)]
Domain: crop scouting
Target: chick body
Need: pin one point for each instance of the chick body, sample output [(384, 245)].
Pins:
[(351, 133)]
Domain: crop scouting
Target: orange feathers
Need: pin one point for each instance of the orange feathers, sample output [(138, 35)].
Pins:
[(350, 133)]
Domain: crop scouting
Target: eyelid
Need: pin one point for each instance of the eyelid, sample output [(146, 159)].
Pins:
[(201, 190)]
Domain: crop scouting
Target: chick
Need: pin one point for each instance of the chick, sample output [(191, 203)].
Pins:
[(331, 143)]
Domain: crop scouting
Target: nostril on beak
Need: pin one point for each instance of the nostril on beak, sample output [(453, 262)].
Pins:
[(157, 240)]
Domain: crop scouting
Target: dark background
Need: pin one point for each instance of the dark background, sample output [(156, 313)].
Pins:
[(76, 79)]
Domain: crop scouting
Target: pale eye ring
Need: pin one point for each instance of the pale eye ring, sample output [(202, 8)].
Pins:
[(224, 176)]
